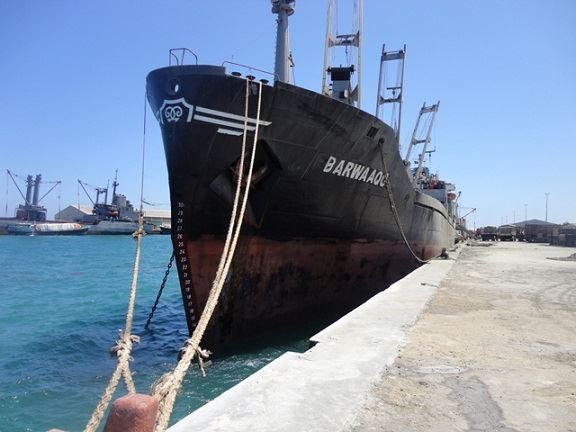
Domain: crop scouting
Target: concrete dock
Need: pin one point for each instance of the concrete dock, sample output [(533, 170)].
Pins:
[(483, 341)]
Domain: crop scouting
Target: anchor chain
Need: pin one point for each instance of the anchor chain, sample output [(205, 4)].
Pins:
[(160, 291)]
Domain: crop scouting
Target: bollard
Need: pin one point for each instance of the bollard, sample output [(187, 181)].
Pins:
[(132, 413)]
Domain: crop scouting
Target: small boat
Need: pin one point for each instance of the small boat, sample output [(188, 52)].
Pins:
[(66, 228), (22, 228), (118, 227)]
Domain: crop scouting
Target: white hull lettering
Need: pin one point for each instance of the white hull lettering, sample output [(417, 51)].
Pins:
[(329, 164), (354, 171), (338, 169)]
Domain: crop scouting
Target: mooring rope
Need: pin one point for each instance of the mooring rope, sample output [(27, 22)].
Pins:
[(395, 211), (168, 386), (123, 346)]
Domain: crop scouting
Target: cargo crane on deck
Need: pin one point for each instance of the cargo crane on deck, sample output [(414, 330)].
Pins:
[(102, 210)]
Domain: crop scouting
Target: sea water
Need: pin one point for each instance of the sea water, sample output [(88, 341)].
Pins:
[(63, 300)]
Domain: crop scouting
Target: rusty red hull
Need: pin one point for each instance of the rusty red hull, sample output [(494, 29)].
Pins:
[(292, 280)]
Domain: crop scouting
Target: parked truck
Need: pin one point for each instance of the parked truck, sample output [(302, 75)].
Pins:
[(488, 233), (539, 233), (507, 233)]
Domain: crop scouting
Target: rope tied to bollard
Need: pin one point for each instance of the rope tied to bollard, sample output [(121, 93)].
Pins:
[(123, 347), (166, 388), (169, 384)]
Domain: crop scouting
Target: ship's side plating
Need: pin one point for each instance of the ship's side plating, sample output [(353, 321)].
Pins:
[(320, 234)]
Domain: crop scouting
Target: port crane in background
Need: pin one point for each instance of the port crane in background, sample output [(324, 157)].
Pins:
[(463, 218), (102, 209), (99, 191), (31, 210)]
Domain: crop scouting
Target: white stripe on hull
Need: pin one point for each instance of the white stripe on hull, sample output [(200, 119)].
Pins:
[(229, 132), (230, 116), (222, 122)]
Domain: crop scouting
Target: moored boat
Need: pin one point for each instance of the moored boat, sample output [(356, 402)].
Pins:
[(63, 228), (29, 213), (20, 228), (115, 218), (117, 227), (334, 214)]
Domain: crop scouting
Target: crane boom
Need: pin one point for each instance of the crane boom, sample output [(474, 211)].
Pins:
[(17, 187), (81, 183)]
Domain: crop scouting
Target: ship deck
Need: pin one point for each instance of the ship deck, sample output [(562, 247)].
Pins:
[(480, 341)]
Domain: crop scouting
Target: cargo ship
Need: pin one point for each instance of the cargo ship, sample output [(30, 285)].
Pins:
[(115, 218), (31, 213), (334, 213)]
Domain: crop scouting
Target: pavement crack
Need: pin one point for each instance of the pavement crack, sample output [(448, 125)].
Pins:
[(477, 405)]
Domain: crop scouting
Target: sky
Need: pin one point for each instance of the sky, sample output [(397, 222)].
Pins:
[(72, 90)]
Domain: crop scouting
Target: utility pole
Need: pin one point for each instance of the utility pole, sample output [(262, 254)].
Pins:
[(525, 213), (547, 194)]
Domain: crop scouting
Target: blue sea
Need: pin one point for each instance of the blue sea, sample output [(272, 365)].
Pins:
[(63, 300)]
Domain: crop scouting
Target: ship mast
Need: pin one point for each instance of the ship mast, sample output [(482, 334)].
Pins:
[(430, 112), (115, 184), (283, 8), (390, 90), (341, 87)]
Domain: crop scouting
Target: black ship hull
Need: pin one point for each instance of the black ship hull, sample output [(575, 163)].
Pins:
[(332, 217)]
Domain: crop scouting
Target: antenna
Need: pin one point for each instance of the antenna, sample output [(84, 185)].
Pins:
[(115, 184), (429, 153)]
